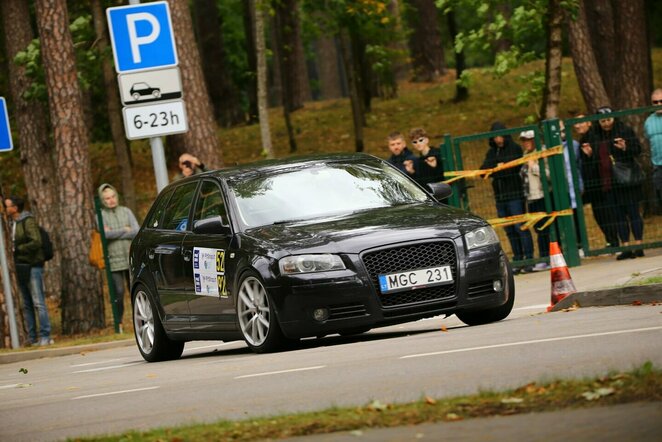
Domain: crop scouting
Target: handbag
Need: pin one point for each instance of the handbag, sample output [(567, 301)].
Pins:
[(96, 251), (628, 174)]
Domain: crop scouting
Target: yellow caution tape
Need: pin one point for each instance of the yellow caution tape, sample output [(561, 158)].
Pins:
[(529, 219), (484, 173)]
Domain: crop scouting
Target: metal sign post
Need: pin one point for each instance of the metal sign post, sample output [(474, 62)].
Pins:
[(143, 45)]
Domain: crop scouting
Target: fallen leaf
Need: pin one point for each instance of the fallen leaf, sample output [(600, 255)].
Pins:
[(512, 400), (376, 405), (443, 328), (358, 433), (636, 303), (23, 370), (23, 385), (453, 417), (429, 400), (597, 394)]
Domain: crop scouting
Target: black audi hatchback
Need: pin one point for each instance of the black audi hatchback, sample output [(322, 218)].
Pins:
[(280, 250)]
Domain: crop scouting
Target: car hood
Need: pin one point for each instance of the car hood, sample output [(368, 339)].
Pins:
[(366, 229)]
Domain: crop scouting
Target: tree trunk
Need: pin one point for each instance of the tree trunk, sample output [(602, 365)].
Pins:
[(82, 298), (256, 7), (328, 68), (275, 79), (503, 44), (425, 41), (292, 63), (201, 139), (222, 91), (354, 96), (461, 91), (600, 24), (401, 66), (249, 29), (281, 54), (585, 64), (553, 59), (36, 152), (122, 152)]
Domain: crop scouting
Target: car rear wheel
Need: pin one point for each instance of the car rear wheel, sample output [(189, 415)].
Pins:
[(256, 316), (156, 93), (480, 317), (136, 96), (153, 343)]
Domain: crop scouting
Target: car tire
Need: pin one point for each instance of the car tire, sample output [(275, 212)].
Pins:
[(256, 316), (156, 93), (136, 96), (153, 342), (480, 317)]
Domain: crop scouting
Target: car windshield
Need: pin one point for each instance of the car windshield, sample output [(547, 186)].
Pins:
[(321, 190)]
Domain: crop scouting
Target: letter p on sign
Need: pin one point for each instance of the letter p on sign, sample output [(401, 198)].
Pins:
[(141, 36)]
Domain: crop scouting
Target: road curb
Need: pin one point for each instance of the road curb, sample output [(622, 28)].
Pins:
[(625, 295), (27, 355)]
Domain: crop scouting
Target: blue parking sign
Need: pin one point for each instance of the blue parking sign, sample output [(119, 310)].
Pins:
[(5, 133), (141, 36)]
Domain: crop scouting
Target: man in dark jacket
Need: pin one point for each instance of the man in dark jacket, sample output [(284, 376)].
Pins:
[(29, 260), (509, 193), (401, 157)]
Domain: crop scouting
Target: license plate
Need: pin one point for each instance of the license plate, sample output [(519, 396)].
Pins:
[(415, 279)]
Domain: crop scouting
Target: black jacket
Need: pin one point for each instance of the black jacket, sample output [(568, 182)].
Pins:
[(594, 186), (507, 184), (425, 173)]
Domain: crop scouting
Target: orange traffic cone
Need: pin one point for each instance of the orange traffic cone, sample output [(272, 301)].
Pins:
[(562, 284)]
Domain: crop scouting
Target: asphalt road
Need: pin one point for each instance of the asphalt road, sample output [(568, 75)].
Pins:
[(115, 390)]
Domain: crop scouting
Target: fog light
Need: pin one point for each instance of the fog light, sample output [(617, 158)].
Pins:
[(497, 285), (320, 314)]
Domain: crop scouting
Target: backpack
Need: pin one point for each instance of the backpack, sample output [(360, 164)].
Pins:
[(46, 244)]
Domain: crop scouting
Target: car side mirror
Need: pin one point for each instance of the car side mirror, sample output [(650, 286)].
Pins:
[(440, 191), (213, 225)]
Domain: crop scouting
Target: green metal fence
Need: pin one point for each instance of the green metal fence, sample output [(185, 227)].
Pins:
[(574, 226)]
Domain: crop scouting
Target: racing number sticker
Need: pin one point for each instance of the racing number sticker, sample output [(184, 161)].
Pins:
[(209, 272)]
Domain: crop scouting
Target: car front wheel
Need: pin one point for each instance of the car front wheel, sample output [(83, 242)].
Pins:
[(256, 316), (153, 343)]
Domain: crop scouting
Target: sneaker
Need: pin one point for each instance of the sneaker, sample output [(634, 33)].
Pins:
[(46, 341), (626, 255), (517, 270), (581, 253), (639, 253), (527, 269), (541, 266)]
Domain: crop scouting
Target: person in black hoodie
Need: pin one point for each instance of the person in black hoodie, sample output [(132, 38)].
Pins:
[(509, 193), (401, 157), (615, 205)]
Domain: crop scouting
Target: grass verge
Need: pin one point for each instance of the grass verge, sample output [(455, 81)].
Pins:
[(641, 384)]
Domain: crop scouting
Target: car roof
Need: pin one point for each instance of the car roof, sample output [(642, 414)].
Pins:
[(269, 166)]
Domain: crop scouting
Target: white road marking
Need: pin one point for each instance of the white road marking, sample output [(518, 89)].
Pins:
[(279, 372), (114, 392), (208, 346), (110, 367), (531, 307), (535, 341), (96, 363), (3, 387)]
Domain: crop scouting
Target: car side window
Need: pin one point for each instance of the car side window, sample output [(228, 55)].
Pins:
[(154, 219), (179, 207), (210, 203)]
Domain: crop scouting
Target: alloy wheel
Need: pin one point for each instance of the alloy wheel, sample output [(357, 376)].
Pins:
[(253, 311), (143, 322)]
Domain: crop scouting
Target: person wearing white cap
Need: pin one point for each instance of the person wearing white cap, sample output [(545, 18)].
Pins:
[(534, 194)]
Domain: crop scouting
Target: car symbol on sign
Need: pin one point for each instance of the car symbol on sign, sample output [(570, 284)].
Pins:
[(143, 89)]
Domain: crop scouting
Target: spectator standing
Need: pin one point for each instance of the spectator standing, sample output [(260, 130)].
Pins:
[(120, 227), (571, 165), (189, 165), (653, 131), (401, 157), (532, 185), (430, 168), (29, 260), (618, 204), (508, 193)]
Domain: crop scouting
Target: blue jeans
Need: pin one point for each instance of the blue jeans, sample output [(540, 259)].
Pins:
[(521, 241), (32, 291)]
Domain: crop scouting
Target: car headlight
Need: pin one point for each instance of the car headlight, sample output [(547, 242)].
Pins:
[(310, 263), (483, 236)]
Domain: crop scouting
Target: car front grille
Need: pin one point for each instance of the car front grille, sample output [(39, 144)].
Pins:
[(412, 257)]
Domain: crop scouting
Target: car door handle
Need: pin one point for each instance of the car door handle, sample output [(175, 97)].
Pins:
[(167, 250), (187, 255)]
